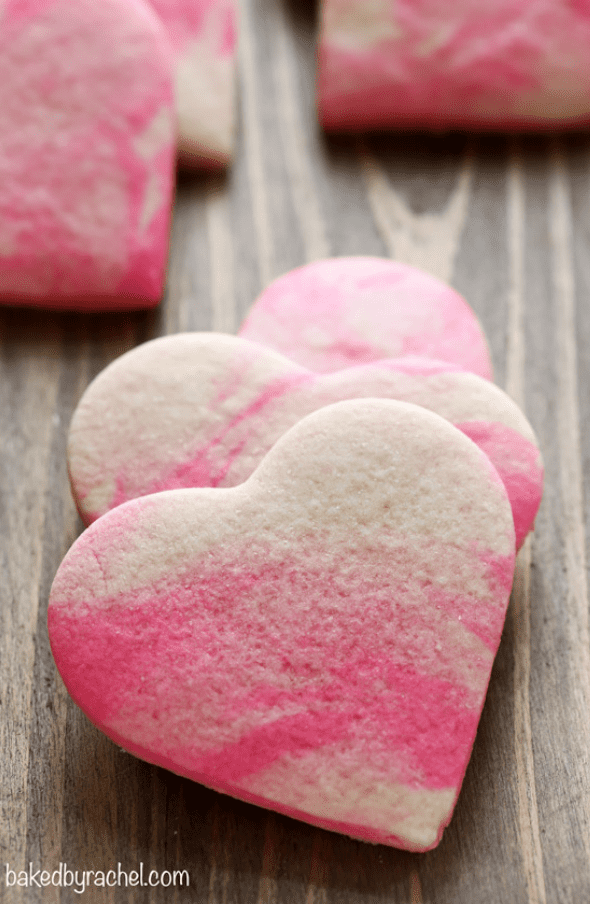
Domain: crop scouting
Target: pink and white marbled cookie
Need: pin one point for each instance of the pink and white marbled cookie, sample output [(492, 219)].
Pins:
[(203, 35), (202, 409), (350, 310), (317, 640), (87, 151), (438, 64)]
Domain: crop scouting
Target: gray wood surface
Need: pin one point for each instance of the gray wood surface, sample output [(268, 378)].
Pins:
[(507, 222)]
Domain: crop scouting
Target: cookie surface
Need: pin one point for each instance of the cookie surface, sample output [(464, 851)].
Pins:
[(508, 64), (317, 640), (203, 35), (342, 311), (87, 152), (202, 409)]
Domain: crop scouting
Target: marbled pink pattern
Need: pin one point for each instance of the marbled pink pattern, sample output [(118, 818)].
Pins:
[(319, 630), (87, 148), (517, 462), (504, 64), (203, 35), (203, 410), (337, 312)]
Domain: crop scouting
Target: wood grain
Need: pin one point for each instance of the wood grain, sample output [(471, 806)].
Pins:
[(528, 815), (507, 222)]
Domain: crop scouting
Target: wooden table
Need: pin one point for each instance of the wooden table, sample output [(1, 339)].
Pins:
[(507, 222)]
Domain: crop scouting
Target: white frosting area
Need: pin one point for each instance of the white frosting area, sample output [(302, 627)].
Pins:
[(153, 199), (354, 26), (156, 136), (97, 497)]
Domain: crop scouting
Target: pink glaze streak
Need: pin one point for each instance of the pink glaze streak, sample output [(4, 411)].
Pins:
[(518, 463), (181, 652)]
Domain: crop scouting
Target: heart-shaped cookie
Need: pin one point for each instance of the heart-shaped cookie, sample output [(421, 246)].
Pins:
[(350, 310), (202, 409), (203, 35), (87, 151), (439, 64), (317, 640)]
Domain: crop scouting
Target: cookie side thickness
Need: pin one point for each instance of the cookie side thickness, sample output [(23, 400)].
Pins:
[(203, 35), (88, 161), (203, 409), (339, 312), (232, 620)]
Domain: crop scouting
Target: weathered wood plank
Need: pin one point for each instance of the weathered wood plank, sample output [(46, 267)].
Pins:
[(506, 222), (29, 367), (558, 737), (427, 239), (526, 794)]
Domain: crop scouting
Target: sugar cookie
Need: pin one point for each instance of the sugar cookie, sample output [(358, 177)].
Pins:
[(87, 152), (349, 310), (438, 64), (203, 35), (202, 409), (317, 640)]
